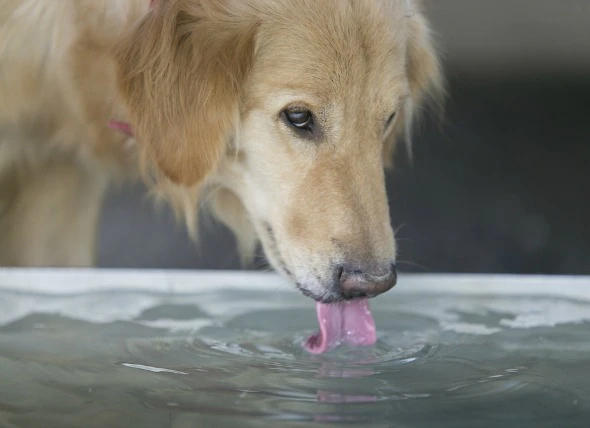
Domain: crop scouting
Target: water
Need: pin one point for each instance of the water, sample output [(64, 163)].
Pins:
[(234, 358)]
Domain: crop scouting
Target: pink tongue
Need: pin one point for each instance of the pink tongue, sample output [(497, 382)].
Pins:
[(347, 322)]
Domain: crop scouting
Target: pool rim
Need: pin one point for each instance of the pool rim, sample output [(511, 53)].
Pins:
[(64, 281)]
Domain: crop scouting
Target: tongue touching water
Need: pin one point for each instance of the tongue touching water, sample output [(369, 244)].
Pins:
[(349, 323), (447, 353)]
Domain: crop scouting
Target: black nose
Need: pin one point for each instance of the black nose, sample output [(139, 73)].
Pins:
[(356, 283)]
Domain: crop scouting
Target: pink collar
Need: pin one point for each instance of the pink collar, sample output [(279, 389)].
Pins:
[(125, 127)]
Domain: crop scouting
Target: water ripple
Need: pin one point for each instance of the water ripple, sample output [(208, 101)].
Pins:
[(250, 370)]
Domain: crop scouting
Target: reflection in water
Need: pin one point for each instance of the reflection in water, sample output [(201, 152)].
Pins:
[(248, 369), (329, 370), (340, 397)]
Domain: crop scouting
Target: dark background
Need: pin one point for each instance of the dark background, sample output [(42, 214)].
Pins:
[(500, 185)]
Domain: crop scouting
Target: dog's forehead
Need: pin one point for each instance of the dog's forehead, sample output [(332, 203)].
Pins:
[(333, 45)]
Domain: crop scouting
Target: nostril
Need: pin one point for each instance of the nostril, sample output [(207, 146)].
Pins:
[(338, 274), (355, 283), (394, 274)]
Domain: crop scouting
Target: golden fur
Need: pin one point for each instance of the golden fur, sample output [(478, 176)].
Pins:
[(203, 83)]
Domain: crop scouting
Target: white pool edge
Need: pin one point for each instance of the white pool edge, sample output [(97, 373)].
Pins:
[(67, 281)]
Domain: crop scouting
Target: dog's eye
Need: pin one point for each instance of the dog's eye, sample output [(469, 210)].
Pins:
[(299, 119)]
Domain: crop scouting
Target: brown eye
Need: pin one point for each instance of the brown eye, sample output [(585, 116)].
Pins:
[(299, 119)]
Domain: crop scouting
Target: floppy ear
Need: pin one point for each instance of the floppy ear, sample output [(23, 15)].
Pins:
[(425, 79), (180, 74), (422, 63)]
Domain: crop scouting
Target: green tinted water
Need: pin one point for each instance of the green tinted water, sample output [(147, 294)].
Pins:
[(234, 358)]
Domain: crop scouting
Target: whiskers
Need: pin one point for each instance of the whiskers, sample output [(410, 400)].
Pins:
[(412, 264)]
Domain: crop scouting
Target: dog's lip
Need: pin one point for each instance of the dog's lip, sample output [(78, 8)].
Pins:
[(330, 297), (324, 298)]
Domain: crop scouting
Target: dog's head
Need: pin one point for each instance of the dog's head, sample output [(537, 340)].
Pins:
[(290, 110)]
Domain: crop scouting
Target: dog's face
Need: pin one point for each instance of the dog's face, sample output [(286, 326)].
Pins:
[(290, 110)]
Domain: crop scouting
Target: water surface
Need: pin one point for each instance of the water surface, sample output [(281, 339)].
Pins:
[(234, 358)]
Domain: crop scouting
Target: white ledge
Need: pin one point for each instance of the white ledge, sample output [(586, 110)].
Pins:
[(75, 281)]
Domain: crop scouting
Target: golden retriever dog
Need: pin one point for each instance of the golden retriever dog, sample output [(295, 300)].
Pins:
[(282, 115)]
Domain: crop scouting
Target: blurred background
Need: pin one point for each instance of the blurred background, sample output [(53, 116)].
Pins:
[(501, 185)]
